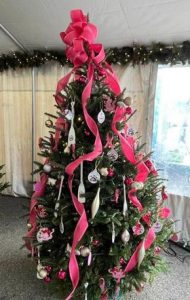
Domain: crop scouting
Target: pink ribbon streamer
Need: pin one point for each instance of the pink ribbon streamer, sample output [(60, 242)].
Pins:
[(39, 192), (134, 258)]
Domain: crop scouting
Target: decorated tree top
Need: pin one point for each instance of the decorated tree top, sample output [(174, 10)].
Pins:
[(97, 221)]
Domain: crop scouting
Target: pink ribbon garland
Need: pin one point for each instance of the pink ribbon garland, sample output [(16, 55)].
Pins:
[(39, 192), (134, 258)]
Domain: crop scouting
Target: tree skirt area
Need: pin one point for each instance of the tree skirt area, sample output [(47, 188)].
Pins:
[(17, 271)]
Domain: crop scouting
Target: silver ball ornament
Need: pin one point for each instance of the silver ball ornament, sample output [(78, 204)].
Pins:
[(47, 168), (125, 236)]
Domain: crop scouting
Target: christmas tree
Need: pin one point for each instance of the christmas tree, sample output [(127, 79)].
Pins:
[(3, 185), (97, 221)]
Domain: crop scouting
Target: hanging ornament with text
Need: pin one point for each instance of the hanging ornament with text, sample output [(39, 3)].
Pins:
[(94, 176), (101, 117), (72, 135), (81, 189)]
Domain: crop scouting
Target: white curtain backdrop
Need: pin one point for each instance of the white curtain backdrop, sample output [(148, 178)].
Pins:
[(23, 120)]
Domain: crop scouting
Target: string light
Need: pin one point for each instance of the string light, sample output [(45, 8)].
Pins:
[(121, 56)]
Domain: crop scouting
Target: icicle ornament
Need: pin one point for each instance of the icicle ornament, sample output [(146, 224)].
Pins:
[(125, 208), (81, 189), (61, 225), (113, 233), (101, 117), (72, 135), (57, 204), (86, 292), (95, 204)]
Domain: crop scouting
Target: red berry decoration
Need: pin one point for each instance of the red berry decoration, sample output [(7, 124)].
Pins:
[(128, 110), (111, 172), (128, 181), (47, 279)]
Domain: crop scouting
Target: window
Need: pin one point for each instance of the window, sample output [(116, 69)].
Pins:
[(171, 130)]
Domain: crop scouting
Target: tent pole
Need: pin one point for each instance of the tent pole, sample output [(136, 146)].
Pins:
[(33, 119), (13, 38)]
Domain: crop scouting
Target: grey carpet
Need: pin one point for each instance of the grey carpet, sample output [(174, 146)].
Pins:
[(17, 273)]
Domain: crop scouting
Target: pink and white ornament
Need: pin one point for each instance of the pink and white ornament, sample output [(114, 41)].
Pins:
[(41, 211), (138, 229), (44, 234)]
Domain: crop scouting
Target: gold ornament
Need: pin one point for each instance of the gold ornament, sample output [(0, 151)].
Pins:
[(128, 101), (67, 150), (29, 226)]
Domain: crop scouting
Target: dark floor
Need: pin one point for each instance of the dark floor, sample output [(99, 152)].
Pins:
[(17, 272)]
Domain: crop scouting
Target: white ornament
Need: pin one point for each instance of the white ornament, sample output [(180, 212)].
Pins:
[(125, 236), (112, 154), (94, 176), (81, 189), (51, 181), (137, 185), (104, 171), (95, 204), (84, 251), (157, 227), (101, 117), (41, 274), (47, 168), (68, 114)]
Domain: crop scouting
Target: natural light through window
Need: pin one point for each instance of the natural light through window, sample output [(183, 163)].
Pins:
[(171, 133)]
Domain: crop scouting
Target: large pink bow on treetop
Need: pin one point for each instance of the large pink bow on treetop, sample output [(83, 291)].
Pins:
[(75, 36)]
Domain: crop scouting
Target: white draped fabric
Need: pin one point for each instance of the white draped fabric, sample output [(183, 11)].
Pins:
[(23, 122)]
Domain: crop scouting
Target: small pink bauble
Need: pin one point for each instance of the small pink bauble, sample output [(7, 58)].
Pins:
[(61, 274)]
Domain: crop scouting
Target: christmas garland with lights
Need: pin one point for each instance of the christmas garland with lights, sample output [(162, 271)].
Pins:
[(158, 52)]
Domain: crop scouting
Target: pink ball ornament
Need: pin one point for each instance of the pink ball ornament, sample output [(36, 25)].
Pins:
[(48, 268), (61, 274)]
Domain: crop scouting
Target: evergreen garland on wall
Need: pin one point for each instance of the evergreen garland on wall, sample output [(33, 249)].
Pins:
[(163, 54)]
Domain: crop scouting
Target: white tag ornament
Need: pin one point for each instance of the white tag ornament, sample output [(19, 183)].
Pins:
[(101, 117), (94, 176), (112, 154)]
